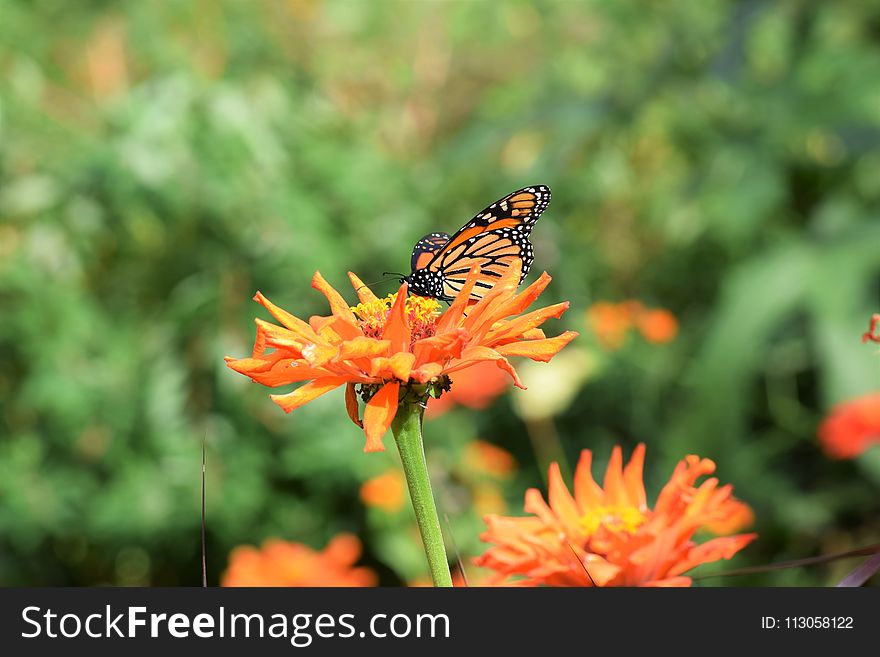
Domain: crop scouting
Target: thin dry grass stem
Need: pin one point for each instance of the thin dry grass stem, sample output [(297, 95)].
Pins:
[(204, 551), (455, 549), (797, 563), (581, 562)]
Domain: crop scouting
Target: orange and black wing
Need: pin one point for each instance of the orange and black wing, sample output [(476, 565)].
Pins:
[(426, 248), (493, 239)]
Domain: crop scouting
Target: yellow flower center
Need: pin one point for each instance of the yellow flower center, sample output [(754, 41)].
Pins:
[(616, 518), (422, 313)]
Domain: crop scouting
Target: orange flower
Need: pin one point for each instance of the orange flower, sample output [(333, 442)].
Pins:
[(608, 535), (851, 427), (476, 387), (489, 459), (282, 563), (397, 345), (872, 334), (657, 325), (612, 322), (385, 492)]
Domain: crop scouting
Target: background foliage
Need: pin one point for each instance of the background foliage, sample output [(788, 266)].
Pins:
[(159, 162)]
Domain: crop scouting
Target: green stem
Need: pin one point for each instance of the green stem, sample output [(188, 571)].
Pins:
[(407, 429)]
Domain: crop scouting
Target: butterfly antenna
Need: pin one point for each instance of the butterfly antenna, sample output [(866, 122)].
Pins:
[(381, 280), (204, 558), (581, 562), (398, 275)]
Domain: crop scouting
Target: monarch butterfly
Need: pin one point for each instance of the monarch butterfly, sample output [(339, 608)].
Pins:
[(493, 239)]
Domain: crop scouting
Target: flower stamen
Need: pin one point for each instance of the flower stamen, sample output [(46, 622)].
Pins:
[(614, 518), (421, 312)]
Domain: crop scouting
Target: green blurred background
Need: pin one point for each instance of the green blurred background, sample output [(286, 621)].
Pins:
[(159, 162)]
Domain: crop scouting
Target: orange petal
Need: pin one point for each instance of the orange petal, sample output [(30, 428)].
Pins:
[(586, 491), (508, 305), (318, 355), (561, 501), (284, 347), (247, 366), (271, 335), (520, 325), (426, 372), (307, 393), (293, 323), (401, 364), (731, 516), (333, 329), (685, 474), (440, 347), (633, 479), (364, 293), (473, 355), (484, 312), (351, 405), (362, 347), (712, 550), (615, 493), (527, 297), (540, 350), (601, 571), (397, 328), (455, 312), (398, 366), (670, 582), (535, 504), (280, 373), (505, 365), (337, 303), (378, 414), (651, 561)]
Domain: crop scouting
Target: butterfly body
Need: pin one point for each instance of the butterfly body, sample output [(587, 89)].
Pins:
[(493, 240)]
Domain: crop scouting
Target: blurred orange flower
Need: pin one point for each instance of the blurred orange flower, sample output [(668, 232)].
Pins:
[(385, 491), (283, 563), (851, 427), (476, 387), (657, 325), (389, 345), (612, 322), (871, 334), (608, 535), (486, 458)]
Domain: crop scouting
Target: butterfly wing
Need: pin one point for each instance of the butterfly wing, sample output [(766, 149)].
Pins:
[(493, 239), (426, 248)]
